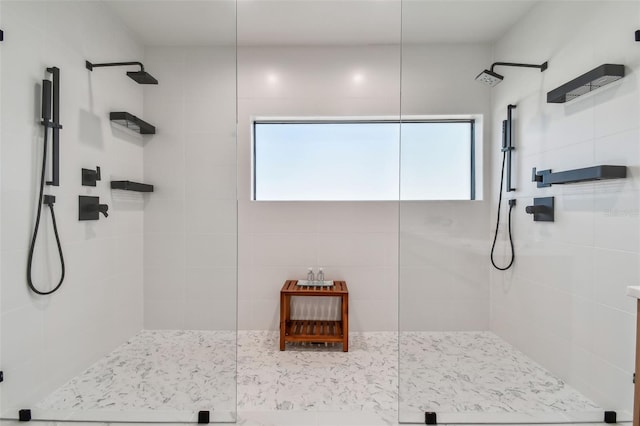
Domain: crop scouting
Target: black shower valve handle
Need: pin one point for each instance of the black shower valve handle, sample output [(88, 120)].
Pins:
[(103, 208), (536, 209)]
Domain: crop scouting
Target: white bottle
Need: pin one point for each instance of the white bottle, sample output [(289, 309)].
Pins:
[(320, 276), (310, 276)]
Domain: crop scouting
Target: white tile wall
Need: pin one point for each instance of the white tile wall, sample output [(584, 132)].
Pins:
[(46, 340), (564, 302), (358, 241), (444, 271), (190, 243), (353, 241)]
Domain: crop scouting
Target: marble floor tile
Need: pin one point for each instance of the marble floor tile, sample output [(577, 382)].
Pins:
[(457, 372)]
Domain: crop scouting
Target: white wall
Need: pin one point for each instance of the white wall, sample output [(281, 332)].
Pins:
[(444, 265), (355, 241), (46, 340), (564, 301), (190, 221)]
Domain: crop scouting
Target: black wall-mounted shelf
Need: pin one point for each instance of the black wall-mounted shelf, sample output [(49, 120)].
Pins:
[(132, 122), (594, 79), (127, 185), (546, 178)]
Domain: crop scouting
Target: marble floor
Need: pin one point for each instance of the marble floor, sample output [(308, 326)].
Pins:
[(195, 370)]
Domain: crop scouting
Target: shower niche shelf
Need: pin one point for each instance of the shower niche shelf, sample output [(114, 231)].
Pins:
[(127, 185), (587, 82), (132, 122), (546, 178)]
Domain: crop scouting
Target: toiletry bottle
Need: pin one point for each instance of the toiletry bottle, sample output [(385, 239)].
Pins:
[(320, 276), (310, 276)]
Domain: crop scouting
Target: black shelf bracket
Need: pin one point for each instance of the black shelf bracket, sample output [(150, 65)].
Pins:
[(127, 185), (24, 415), (203, 417), (430, 418), (132, 122), (546, 178)]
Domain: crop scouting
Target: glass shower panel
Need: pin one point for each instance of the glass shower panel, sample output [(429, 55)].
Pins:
[(313, 66), (143, 326), (551, 339)]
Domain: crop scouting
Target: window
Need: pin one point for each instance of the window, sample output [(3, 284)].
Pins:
[(363, 160)]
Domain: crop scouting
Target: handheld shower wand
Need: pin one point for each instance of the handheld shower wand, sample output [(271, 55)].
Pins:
[(49, 200), (507, 147)]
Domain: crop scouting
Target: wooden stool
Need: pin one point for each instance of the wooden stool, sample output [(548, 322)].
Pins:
[(314, 330)]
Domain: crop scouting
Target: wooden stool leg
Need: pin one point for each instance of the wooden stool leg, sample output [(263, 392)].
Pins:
[(345, 323), (283, 319)]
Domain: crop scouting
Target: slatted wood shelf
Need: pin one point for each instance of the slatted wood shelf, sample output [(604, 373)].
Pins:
[(314, 331)]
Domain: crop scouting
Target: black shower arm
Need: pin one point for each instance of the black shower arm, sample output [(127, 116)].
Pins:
[(91, 66), (542, 67)]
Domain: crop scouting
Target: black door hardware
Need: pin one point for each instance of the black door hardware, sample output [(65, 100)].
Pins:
[(24, 415)]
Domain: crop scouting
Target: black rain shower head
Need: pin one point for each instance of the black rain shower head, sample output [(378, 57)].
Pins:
[(489, 77), (140, 77), (492, 78)]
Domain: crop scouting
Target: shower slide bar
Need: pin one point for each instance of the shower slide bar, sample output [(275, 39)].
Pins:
[(54, 125), (507, 143)]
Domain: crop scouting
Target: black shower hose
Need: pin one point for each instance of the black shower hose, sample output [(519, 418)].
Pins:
[(37, 225), (495, 237)]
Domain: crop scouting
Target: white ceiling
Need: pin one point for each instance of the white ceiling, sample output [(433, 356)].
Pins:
[(318, 22)]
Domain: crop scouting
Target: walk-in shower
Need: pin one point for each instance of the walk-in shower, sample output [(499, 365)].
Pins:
[(169, 310)]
